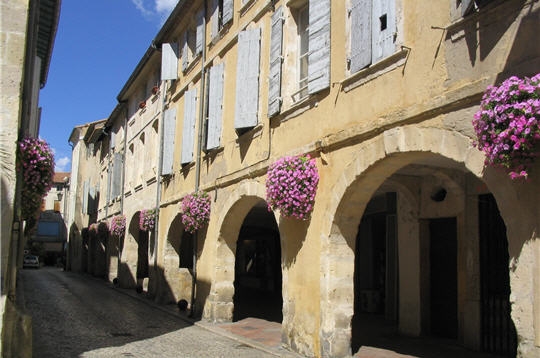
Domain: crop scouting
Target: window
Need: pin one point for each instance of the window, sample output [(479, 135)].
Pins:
[(188, 129), (215, 103), (222, 14), (303, 52), (372, 26)]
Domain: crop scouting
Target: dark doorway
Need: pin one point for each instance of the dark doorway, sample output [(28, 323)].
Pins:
[(376, 273), (498, 330), (443, 277), (142, 255), (257, 283)]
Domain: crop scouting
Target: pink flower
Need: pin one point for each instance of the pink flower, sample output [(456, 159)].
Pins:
[(195, 211)]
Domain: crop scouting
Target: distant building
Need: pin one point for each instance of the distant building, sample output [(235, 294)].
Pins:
[(55, 199), (410, 234)]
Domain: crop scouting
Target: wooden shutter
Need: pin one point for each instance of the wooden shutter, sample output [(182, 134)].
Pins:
[(214, 30), (117, 174), (185, 51), (113, 139), (86, 185), (188, 133), (215, 102), (169, 61), (384, 29), (92, 200), (34, 101), (247, 79), (319, 45), (466, 6), (276, 45), (360, 20), (169, 129), (199, 41), (227, 11)]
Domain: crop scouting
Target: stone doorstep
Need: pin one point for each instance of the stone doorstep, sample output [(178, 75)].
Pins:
[(372, 352)]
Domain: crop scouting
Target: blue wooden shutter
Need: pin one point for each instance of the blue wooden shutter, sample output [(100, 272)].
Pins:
[(274, 82), (227, 11), (169, 129), (360, 19), (319, 45), (169, 61), (215, 105), (188, 133), (247, 79), (199, 41), (383, 24)]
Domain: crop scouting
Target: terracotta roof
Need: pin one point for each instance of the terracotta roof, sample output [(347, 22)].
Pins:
[(60, 176)]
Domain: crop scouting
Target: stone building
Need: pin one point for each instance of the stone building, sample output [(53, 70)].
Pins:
[(410, 233), (27, 34)]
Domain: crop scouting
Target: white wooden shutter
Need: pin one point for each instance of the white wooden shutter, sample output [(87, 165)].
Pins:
[(274, 83), (113, 138), (117, 175), (188, 133), (319, 45), (169, 129), (466, 6), (227, 11), (199, 41), (169, 61), (214, 30), (384, 29), (86, 185), (247, 79), (215, 105), (360, 20), (185, 51)]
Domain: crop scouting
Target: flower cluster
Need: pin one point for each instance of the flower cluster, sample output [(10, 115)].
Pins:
[(147, 219), (93, 230), (118, 226), (508, 124), (291, 186), (195, 211), (36, 161)]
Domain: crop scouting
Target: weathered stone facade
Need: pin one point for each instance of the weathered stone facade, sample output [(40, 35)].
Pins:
[(399, 175)]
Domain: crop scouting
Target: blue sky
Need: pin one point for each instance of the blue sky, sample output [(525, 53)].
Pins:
[(97, 46)]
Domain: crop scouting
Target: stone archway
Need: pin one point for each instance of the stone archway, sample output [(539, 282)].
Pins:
[(219, 306), (381, 157)]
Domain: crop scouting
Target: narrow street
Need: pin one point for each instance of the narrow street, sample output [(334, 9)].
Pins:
[(78, 316)]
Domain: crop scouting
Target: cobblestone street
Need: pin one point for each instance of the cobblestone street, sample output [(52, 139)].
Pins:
[(78, 316)]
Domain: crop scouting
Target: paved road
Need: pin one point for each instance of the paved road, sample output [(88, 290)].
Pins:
[(78, 316)]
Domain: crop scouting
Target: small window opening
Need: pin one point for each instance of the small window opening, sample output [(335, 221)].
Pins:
[(383, 22)]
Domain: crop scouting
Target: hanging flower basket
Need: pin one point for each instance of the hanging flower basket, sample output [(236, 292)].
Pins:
[(36, 161), (147, 219), (291, 186), (155, 89), (118, 226), (195, 211), (507, 125), (93, 231), (142, 104)]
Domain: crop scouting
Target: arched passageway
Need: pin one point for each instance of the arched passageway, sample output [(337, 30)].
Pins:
[(257, 281)]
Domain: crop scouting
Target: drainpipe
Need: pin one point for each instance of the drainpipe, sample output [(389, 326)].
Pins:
[(160, 167), (198, 160)]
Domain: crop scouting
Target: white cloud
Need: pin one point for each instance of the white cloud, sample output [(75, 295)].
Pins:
[(165, 6), (61, 164), (139, 4)]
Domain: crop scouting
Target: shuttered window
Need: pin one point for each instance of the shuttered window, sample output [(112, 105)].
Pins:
[(199, 42), (169, 129), (319, 45), (247, 79), (169, 61), (222, 13), (86, 188), (276, 47), (373, 30), (116, 175), (188, 132), (215, 105)]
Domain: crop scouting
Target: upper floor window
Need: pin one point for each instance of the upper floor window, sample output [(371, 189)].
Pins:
[(373, 32), (222, 14), (303, 51)]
